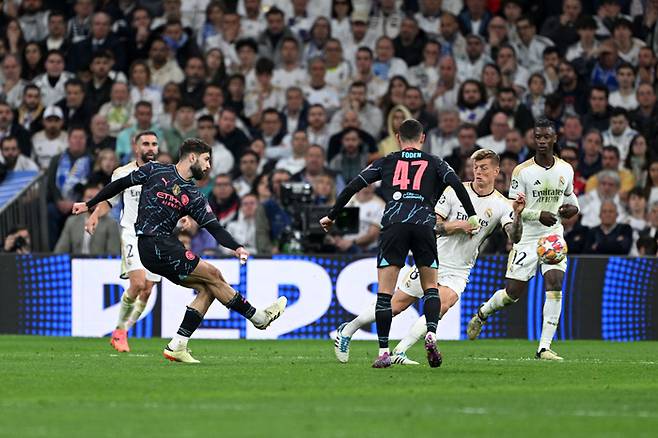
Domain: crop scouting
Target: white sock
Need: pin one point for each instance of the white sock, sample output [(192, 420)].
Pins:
[(552, 310), (417, 331), (365, 317), (497, 301), (138, 308), (259, 317), (178, 342), (125, 308)]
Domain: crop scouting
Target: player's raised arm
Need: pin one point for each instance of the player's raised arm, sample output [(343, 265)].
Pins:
[(367, 176), (138, 176)]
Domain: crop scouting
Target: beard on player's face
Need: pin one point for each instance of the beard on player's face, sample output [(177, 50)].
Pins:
[(197, 172), (148, 156)]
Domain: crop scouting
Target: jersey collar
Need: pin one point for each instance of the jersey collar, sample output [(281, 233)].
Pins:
[(546, 168), (470, 184)]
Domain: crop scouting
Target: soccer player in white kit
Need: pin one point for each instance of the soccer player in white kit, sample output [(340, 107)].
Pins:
[(134, 299), (547, 183), (457, 246)]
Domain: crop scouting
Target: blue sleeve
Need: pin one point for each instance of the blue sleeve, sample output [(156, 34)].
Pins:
[(134, 178)]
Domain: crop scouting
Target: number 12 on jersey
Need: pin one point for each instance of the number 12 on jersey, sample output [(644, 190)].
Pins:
[(401, 174)]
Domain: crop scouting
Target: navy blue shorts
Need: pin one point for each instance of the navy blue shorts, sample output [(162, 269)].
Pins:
[(396, 240), (167, 257)]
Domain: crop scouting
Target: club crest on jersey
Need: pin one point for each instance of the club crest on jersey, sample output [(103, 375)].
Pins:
[(175, 190), (184, 199), (397, 196)]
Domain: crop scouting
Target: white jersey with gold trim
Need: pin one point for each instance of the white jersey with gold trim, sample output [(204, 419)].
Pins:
[(545, 189), (459, 251)]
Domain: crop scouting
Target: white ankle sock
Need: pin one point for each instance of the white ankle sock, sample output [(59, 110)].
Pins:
[(552, 310), (417, 331), (259, 317), (365, 317), (497, 301), (178, 342)]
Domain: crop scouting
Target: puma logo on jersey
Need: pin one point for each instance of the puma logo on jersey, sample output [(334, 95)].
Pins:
[(165, 181)]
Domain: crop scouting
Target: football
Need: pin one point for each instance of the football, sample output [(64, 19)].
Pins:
[(551, 249)]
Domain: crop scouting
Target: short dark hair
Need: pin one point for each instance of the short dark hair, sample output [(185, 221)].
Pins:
[(252, 153), (616, 111), (585, 22), (625, 65), (509, 155), (264, 66), (274, 11), (193, 146), (502, 90), (145, 103), (8, 138), (550, 50), (106, 54), (29, 87), (206, 118), (142, 134), (637, 191), (410, 130), (601, 88), (543, 122), (75, 82), (246, 42), (612, 149)]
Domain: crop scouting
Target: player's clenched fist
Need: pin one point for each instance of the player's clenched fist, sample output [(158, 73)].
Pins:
[(242, 254), (80, 207)]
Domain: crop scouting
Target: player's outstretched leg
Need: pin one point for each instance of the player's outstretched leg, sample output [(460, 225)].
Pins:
[(498, 300), (346, 330)]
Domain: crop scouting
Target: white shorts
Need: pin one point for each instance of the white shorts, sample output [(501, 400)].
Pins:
[(523, 260), (130, 256), (454, 279)]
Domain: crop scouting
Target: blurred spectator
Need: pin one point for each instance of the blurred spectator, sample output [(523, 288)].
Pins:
[(8, 127), (385, 20), (606, 190), (194, 84), (507, 102), (397, 86), (271, 39), (243, 229), (229, 134), (625, 96), (408, 45), (244, 183), (352, 158), (14, 39), (530, 47), (441, 140), (590, 158), (472, 101), (445, 95), (646, 246), (637, 160), (319, 34), (513, 74), (508, 161), (18, 240), (571, 133), (52, 140), (492, 80), (645, 118), (79, 26), (34, 20), (75, 240), (475, 17), (587, 45), (261, 187), (118, 111), (51, 83), (143, 122), (100, 85), (370, 117), (364, 64), (183, 127), (213, 101), (316, 165), (271, 218), (368, 143), (371, 209), (264, 94), (100, 137), (104, 165), (467, 136), (572, 90), (295, 112), (575, 234), (272, 133), (535, 99), (163, 69), (324, 190), (450, 38), (318, 91), (619, 134), (429, 16), (296, 162), (413, 100), (318, 131), (289, 72), (222, 159), (341, 10), (651, 231), (141, 88), (598, 116), (32, 61), (497, 35), (637, 210), (56, 38), (396, 116), (472, 65), (515, 144), (610, 236), (610, 161), (139, 32), (178, 40), (628, 46), (499, 129), (29, 114), (12, 88), (247, 52), (570, 155), (75, 106), (100, 39), (11, 157), (604, 71), (651, 184), (425, 75), (66, 173), (224, 201)]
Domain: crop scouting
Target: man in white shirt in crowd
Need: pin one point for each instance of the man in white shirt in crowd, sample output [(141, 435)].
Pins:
[(163, 68), (222, 159), (530, 47), (11, 157), (318, 91), (619, 134), (243, 229), (248, 173), (447, 89), (606, 190), (499, 129), (369, 115), (377, 86), (296, 162), (318, 131), (290, 73), (50, 141), (386, 65), (442, 140), (471, 66)]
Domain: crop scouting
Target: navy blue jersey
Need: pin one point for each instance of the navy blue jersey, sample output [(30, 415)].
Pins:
[(166, 197), (412, 182)]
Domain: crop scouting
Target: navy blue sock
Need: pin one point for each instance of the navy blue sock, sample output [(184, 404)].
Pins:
[(241, 305), (383, 317), (431, 308), (191, 322)]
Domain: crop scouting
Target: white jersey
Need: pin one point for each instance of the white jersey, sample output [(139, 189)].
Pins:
[(459, 251), (545, 190), (130, 197)]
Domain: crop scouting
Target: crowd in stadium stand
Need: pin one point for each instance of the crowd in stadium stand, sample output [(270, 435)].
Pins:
[(313, 90)]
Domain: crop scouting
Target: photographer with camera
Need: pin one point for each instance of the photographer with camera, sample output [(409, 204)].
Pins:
[(18, 240)]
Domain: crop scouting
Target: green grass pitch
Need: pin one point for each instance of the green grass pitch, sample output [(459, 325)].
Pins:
[(68, 387)]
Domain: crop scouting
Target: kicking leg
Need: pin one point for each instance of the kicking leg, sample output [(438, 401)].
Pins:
[(177, 350), (552, 310), (501, 298)]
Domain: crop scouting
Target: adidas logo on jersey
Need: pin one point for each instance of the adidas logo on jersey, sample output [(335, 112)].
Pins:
[(537, 182)]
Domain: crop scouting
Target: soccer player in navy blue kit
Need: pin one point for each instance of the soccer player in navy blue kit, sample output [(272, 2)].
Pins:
[(169, 193), (412, 182)]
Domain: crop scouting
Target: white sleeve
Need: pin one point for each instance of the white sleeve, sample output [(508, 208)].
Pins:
[(508, 213), (445, 203), (572, 200), (516, 185)]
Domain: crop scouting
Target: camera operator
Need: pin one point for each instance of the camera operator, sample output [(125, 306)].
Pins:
[(371, 209), (18, 240)]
